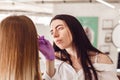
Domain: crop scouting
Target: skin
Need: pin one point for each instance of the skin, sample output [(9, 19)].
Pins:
[(61, 34), (63, 39)]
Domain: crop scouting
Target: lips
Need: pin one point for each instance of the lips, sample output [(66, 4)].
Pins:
[(58, 41)]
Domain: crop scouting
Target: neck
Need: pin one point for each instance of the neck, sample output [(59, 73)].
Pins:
[(72, 52), (73, 56)]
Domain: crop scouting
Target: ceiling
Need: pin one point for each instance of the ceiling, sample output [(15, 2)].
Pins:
[(38, 7), (62, 1)]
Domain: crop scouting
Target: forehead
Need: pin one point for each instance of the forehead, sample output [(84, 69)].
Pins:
[(57, 22)]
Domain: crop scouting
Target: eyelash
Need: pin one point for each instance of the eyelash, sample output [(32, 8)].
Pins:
[(59, 28)]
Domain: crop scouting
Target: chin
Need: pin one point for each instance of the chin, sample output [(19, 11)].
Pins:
[(61, 47)]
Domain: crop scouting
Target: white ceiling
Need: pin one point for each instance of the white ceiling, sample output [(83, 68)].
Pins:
[(55, 1), (62, 1), (38, 7)]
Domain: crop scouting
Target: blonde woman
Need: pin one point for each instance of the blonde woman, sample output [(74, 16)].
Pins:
[(19, 59)]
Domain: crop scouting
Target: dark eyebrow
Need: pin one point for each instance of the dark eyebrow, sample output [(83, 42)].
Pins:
[(57, 26)]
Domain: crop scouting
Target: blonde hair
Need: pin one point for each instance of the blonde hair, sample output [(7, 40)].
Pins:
[(19, 59)]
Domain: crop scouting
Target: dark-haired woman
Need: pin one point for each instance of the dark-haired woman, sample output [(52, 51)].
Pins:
[(76, 59)]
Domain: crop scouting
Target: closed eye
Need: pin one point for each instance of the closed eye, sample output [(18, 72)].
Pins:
[(57, 28), (60, 28)]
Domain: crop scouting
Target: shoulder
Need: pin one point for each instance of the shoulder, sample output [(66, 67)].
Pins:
[(100, 58), (104, 58), (102, 62)]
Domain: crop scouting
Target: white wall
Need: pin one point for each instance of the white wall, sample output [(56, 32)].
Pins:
[(45, 31), (89, 9)]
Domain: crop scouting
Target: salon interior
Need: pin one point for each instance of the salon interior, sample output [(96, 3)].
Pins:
[(100, 17)]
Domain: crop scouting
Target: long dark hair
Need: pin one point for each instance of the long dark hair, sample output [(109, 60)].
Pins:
[(82, 44)]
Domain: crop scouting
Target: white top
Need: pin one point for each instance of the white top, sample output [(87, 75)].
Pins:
[(64, 71)]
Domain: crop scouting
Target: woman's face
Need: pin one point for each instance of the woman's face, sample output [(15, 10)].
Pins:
[(61, 34)]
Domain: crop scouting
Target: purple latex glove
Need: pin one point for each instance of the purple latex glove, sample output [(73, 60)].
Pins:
[(46, 48)]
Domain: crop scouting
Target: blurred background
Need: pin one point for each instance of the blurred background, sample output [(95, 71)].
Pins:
[(98, 17)]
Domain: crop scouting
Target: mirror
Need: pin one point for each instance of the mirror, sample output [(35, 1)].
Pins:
[(116, 36)]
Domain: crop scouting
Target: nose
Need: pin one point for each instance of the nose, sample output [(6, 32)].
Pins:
[(55, 34)]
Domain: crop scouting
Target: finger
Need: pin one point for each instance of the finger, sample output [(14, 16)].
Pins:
[(41, 38), (42, 42)]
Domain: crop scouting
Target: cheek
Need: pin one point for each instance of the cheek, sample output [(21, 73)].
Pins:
[(69, 35), (68, 39)]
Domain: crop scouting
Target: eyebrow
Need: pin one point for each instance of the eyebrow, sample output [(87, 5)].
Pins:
[(57, 26)]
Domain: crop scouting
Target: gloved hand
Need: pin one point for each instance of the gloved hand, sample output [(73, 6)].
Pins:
[(46, 48)]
